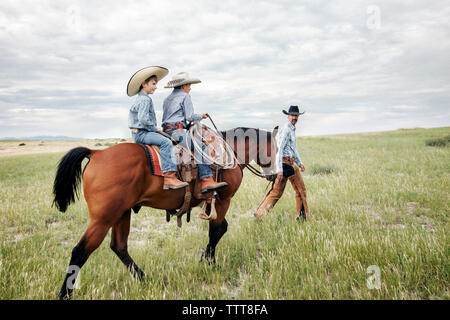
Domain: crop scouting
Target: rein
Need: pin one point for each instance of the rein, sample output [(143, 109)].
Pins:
[(255, 171), (168, 136)]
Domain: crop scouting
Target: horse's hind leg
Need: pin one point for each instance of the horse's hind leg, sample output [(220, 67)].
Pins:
[(119, 240), (90, 241)]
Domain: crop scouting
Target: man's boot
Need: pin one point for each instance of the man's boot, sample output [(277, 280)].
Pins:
[(171, 181), (208, 184)]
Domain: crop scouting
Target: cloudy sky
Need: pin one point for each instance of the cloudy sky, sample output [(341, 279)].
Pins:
[(353, 66)]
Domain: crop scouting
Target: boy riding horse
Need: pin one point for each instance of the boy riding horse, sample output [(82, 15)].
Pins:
[(142, 121), (178, 111)]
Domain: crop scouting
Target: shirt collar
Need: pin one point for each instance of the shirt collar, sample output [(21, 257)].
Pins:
[(291, 126), (178, 91)]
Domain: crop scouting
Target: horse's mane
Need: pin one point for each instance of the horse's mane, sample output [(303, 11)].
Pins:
[(263, 140), (244, 129)]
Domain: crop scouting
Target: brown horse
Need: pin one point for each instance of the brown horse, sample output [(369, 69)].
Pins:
[(117, 179)]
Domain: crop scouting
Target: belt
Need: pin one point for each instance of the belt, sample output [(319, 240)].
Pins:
[(289, 160), (178, 126)]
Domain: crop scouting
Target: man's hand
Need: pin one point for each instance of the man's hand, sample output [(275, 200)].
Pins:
[(302, 167), (205, 115), (279, 176)]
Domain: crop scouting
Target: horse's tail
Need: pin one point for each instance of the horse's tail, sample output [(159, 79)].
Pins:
[(68, 177)]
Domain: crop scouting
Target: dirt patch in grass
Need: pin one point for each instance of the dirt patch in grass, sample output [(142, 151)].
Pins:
[(13, 235), (322, 170)]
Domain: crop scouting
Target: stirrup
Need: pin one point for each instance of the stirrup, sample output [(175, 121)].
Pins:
[(213, 212)]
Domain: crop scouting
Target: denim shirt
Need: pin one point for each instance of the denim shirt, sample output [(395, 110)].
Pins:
[(142, 114), (287, 146), (178, 107)]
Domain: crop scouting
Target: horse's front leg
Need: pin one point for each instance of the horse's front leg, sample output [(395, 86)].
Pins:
[(216, 231), (217, 228)]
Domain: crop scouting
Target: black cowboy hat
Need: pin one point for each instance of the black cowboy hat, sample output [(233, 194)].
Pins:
[(293, 110)]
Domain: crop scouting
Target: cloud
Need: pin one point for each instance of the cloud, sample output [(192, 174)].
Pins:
[(66, 64)]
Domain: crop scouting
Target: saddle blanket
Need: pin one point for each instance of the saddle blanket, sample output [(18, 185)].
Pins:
[(153, 159), (182, 155)]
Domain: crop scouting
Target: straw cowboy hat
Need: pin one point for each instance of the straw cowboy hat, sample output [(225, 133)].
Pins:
[(293, 110), (140, 76), (181, 78)]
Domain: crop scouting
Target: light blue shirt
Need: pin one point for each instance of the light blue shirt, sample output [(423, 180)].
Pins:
[(142, 114), (178, 107), (287, 146)]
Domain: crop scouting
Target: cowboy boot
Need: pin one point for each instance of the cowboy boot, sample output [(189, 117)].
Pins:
[(208, 184), (171, 181), (197, 187), (271, 198)]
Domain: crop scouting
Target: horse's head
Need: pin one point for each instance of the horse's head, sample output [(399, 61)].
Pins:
[(252, 144), (268, 166)]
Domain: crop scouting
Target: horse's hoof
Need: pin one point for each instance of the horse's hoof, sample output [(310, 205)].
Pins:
[(138, 274), (208, 259), (202, 254), (257, 218), (142, 276), (62, 296)]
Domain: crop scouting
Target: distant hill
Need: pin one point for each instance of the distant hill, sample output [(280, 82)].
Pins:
[(40, 138)]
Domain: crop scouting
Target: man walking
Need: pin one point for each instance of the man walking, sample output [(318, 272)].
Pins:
[(288, 165)]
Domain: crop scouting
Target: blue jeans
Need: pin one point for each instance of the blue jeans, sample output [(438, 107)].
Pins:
[(168, 160), (184, 138)]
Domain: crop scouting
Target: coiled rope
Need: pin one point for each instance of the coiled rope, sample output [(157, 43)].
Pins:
[(227, 161)]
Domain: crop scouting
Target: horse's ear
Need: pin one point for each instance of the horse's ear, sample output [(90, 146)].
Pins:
[(275, 131)]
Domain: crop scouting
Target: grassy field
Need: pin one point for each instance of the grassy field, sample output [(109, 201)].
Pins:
[(376, 199)]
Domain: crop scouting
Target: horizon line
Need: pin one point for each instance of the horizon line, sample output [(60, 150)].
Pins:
[(61, 137)]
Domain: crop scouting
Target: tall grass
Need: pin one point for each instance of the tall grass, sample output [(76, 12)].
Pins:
[(376, 199), (439, 142)]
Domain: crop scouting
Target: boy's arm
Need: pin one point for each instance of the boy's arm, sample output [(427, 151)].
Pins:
[(189, 110)]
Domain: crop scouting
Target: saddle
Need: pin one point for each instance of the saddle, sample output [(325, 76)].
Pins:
[(187, 171), (221, 156)]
